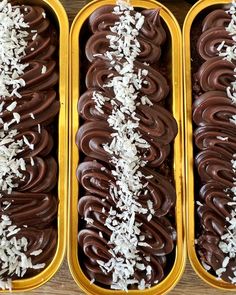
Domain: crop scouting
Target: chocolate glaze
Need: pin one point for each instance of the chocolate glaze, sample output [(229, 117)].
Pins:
[(214, 138), (33, 201), (157, 126)]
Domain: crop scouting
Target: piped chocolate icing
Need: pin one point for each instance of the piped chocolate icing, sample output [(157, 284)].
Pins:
[(95, 173), (28, 198), (214, 111)]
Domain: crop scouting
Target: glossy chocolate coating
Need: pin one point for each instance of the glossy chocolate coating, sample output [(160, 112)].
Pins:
[(214, 139), (157, 126)]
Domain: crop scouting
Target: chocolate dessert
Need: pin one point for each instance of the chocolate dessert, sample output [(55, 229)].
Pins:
[(126, 233), (214, 114), (28, 138)]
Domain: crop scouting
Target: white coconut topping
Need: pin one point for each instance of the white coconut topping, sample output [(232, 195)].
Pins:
[(13, 36), (13, 259), (124, 150), (11, 167), (222, 138), (44, 69), (12, 49)]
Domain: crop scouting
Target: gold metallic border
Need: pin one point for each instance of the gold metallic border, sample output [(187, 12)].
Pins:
[(189, 161), (58, 11), (171, 280)]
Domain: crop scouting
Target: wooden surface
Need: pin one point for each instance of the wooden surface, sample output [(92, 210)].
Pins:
[(63, 283)]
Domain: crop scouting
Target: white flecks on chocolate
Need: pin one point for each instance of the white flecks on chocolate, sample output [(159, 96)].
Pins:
[(32, 116), (12, 253), (11, 167), (206, 266), (13, 44), (39, 128), (222, 138), (44, 69), (124, 150), (12, 49), (228, 240)]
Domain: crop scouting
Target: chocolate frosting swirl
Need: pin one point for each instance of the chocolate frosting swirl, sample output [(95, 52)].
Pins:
[(214, 136), (158, 232), (42, 141), (39, 177), (214, 108), (156, 125), (32, 206), (45, 240), (216, 196), (156, 88), (43, 105), (210, 40), (43, 45), (212, 165), (96, 179), (211, 254), (99, 44), (38, 239), (34, 77), (97, 248), (216, 18), (30, 209), (152, 30), (92, 136), (159, 124), (215, 74), (221, 140)]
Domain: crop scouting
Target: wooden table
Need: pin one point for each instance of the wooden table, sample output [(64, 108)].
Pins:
[(63, 283)]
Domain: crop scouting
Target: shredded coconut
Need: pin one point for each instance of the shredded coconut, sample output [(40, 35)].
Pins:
[(13, 43), (12, 49), (12, 253), (124, 151)]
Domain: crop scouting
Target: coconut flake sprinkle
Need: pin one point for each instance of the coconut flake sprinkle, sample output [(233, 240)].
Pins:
[(124, 150), (13, 259), (13, 43), (12, 49)]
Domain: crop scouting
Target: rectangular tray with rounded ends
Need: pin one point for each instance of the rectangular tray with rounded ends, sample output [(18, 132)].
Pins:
[(189, 159), (177, 95), (58, 13)]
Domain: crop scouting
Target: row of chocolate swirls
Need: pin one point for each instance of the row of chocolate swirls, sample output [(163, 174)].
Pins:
[(157, 126), (33, 202), (215, 140)]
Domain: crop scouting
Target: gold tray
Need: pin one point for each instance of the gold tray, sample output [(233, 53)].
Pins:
[(189, 161), (176, 54), (59, 14)]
